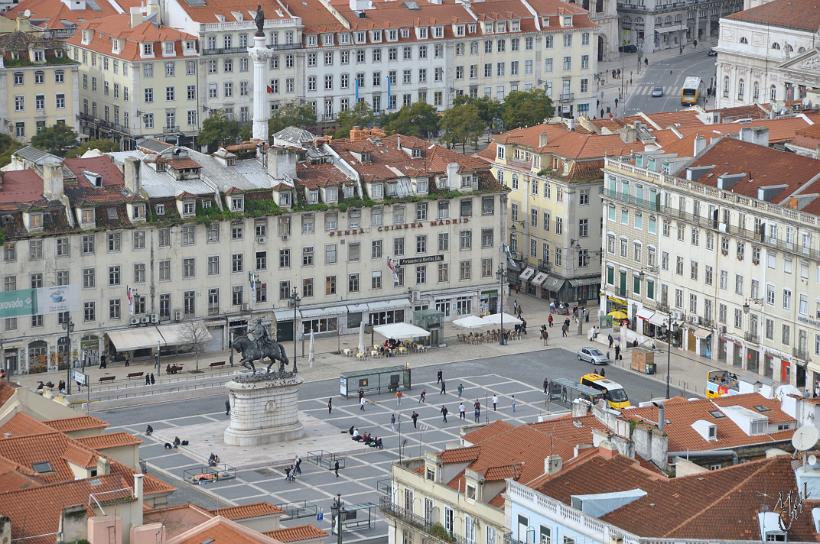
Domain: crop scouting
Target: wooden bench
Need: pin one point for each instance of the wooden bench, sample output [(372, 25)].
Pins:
[(217, 364), (107, 378), (173, 369), (135, 375)]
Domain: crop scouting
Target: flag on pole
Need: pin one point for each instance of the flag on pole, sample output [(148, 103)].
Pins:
[(252, 281), (130, 300), (394, 269)]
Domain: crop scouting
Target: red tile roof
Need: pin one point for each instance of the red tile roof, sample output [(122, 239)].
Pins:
[(105, 29), (297, 534), (79, 423), (569, 144), (7, 391), (22, 424), (795, 14), (111, 440), (314, 176), (220, 530), (56, 15), (460, 455), (248, 511), (217, 12), (21, 187)]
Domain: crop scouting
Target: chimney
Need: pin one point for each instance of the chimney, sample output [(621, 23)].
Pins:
[(661, 416), (138, 494), (700, 145), (53, 179), (357, 134), (452, 173), (552, 464), (542, 139), (629, 134), (136, 16), (103, 466), (131, 172), (281, 163)]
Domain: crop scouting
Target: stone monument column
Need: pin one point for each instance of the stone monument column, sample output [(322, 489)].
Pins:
[(260, 55), (264, 409)]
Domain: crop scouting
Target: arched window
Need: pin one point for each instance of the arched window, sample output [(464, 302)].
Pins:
[(776, 46), (741, 87), (743, 40), (725, 86), (801, 50), (772, 93), (755, 91)]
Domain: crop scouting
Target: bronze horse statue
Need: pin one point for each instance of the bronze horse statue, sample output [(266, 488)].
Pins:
[(251, 352)]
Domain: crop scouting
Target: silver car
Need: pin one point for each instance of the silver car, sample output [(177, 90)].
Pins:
[(592, 355)]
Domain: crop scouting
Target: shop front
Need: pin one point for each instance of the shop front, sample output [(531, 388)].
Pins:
[(703, 341), (737, 354), (583, 289), (538, 284), (753, 360), (524, 280), (488, 302)]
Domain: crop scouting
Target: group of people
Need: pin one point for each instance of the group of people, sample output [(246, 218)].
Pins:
[(149, 379), (366, 438), (213, 460), (294, 469)]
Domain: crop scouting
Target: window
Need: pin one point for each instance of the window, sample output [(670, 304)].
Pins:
[(188, 268), (113, 275), (353, 283), (330, 254), (88, 278), (89, 311), (583, 228)]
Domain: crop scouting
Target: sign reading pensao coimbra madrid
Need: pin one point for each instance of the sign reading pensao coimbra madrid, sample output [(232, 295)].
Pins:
[(45, 300)]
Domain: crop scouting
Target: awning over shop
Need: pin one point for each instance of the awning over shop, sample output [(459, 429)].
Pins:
[(285, 314), (701, 332), (401, 331), (645, 313), (553, 284), (539, 279), (180, 334), (394, 304), (356, 308), (312, 313), (583, 282), (659, 319), (470, 322), (135, 338), (527, 273)]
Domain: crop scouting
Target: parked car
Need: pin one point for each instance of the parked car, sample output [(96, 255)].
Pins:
[(628, 48), (592, 355), (712, 53), (657, 91)]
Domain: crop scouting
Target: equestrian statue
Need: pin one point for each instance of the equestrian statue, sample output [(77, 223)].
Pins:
[(258, 345)]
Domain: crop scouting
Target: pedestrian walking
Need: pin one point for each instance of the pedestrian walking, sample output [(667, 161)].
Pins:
[(393, 421), (460, 389), (610, 340), (227, 407), (444, 413), (443, 390), (439, 376), (362, 402), (415, 417), (550, 319), (147, 379), (153, 380), (617, 352), (399, 395), (461, 411), (330, 405), (603, 373), (546, 385), (297, 465), (477, 410), (336, 468), (423, 396), (564, 328), (361, 394), (495, 403), (513, 403)]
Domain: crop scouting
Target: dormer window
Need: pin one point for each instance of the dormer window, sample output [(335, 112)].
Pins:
[(190, 45), (168, 49), (430, 474), (35, 221), (206, 204), (188, 208), (237, 203), (159, 209), (421, 187), (515, 25), (459, 30), (148, 50), (86, 37), (331, 195), (471, 28), (344, 38), (327, 39), (39, 55), (489, 27), (471, 494), (139, 211), (284, 199), (404, 33), (501, 26), (313, 196), (116, 46), (360, 37), (347, 190), (421, 32), (499, 152), (392, 35), (87, 216), (311, 41), (566, 20), (376, 35), (438, 31), (545, 21)]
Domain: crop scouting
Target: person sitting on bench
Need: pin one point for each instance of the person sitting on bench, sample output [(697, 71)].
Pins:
[(149, 431)]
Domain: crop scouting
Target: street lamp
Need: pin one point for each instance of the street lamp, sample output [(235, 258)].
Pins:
[(157, 358), (295, 299), (501, 274), (68, 327), (338, 510)]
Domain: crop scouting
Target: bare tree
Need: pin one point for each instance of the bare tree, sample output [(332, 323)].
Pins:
[(196, 335)]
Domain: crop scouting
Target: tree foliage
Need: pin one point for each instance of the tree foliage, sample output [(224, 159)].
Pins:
[(419, 119), (462, 124), (104, 145), (56, 139), (218, 130), (360, 116), (488, 109), (293, 114), (526, 108), (8, 146)]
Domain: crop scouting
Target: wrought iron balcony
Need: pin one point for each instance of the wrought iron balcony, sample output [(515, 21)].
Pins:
[(566, 97), (801, 354), (751, 337), (404, 515), (643, 203)]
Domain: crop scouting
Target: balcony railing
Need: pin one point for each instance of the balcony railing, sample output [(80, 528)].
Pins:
[(801, 354), (751, 337), (225, 51), (646, 204), (566, 97), (544, 266), (170, 129), (402, 514), (102, 123)]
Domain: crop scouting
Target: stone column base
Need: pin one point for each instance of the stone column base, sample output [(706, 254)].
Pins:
[(264, 410)]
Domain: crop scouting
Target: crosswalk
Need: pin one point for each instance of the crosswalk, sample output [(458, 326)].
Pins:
[(645, 89)]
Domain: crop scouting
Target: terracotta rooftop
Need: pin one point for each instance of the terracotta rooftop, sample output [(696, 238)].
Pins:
[(176, 519), (104, 29), (57, 15), (225, 10), (7, 391), (110, 440), (79, 423), (314, 176), (761, 166), (248, 511), (21, 187), (22, 424), (297, 534), (220, 530), (682, 413), (568, 144), (794, 14)]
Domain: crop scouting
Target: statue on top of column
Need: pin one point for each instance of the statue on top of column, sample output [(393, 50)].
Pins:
[(260, 20)]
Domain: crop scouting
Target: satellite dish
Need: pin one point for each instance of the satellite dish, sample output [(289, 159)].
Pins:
[(27, 14), (805, 438), (812, 460)]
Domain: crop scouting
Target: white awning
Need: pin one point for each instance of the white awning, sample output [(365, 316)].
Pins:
[(395, 304), (527, 273), (554, 284), (285, 314), (582, 282), (645, 313), (539, 279), (659, 319), (470, 322), (401, 331), (135, 338), (701, 332), (313, 313), (181, 334), (495, 319), (356, 308)]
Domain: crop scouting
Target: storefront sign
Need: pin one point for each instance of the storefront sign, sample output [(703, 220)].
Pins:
[(46, 300), (418, 225), (347, 232), (420, 260), (811, 322)]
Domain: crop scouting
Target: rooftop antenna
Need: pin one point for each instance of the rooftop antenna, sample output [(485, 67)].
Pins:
[(804, 439)]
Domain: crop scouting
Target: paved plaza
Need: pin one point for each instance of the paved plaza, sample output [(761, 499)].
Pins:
[(365, 470)]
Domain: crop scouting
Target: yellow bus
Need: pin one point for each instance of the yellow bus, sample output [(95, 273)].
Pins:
[(720, 383), (614, 393), (690, 92)]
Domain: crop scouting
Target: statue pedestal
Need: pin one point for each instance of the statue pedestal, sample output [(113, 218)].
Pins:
[(264, 409)]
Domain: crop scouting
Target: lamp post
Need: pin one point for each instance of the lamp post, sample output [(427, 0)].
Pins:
[(156, 358), (501, 274), (68, 327), (337, 512), (668, 354), (295, 299)]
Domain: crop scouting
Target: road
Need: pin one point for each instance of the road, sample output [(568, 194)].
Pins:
[(520, 375), (669, 74)]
